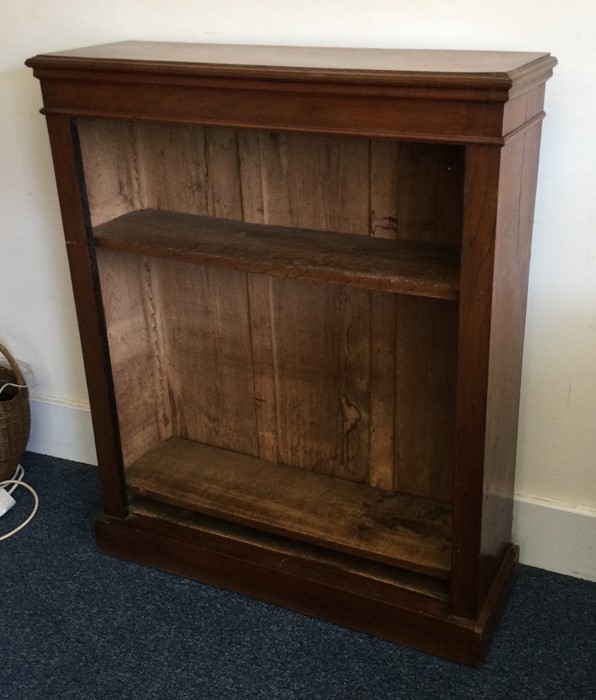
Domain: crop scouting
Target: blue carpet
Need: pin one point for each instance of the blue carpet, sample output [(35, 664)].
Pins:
[(78, 624)]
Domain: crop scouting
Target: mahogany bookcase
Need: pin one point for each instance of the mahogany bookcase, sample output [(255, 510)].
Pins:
[(300, 277)]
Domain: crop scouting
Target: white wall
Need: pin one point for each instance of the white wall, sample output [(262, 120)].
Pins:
[(557, 442)]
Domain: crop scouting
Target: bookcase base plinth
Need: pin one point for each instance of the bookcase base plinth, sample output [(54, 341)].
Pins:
[(416, 619)]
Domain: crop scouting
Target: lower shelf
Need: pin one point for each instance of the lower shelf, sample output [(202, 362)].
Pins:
[(283, 555), (395, 529)]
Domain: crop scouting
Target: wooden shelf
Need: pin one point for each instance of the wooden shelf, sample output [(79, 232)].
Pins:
[(394, 529), (404, 267), (280, 553)]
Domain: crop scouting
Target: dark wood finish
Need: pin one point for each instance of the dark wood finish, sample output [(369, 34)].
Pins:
[(300, 278), (480, 197), (331, 590), (483, 69), (292, 89), (67, 166), (519, 169)]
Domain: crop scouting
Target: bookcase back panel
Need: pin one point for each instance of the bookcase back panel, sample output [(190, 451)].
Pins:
[(320, 370), (313, 379), (344, 381), (425, 397), (377, 187)]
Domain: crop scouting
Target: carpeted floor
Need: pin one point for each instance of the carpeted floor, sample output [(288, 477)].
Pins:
[(77, 624)]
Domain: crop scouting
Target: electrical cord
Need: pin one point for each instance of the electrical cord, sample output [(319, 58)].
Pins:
[(16, 482), (17, 386), (17, 478)]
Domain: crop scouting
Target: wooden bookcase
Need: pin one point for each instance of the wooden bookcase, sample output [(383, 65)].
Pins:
[(300, 276)]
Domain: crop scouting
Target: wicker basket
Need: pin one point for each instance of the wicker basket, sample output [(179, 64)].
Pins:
[(15, 418)]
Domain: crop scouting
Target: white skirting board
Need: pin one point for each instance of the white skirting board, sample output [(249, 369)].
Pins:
[(555, 536), (551, 535), (62, 429)]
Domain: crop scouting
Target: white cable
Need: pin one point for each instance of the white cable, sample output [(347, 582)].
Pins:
[(18, 476), (17, 480), (17, 386), (32, 514)]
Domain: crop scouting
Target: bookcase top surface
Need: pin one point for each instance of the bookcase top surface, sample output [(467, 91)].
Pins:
[(397, 66)]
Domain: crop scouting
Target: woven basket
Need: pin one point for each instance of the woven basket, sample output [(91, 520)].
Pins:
[(15, 418)]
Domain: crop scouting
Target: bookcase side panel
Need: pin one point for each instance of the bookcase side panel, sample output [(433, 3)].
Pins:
[(476, 288), (65, 146), (133, 312), (116, 183), (113, 164), (519, 170)]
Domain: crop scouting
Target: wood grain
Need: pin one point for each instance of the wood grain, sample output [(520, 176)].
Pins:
[(375, 524), (478, 249), (487, 69), (133, 308), (517, 192), (343, 154), (113, 167), (429, 192), (208, 336), (383, 368), (425, 383), (319, 353), (416, 195), (322, 362), (333, 258), (381, 581), (67, 159), (393, 191)]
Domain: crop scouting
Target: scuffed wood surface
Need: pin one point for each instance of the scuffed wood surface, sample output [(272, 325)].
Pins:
[(339, 514), (333, 258)]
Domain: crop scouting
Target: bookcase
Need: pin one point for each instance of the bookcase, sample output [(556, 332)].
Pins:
[(300, 277)]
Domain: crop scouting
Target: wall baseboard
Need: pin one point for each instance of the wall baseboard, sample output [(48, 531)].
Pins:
[(62, 429), (555, 536), (551, 535)]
